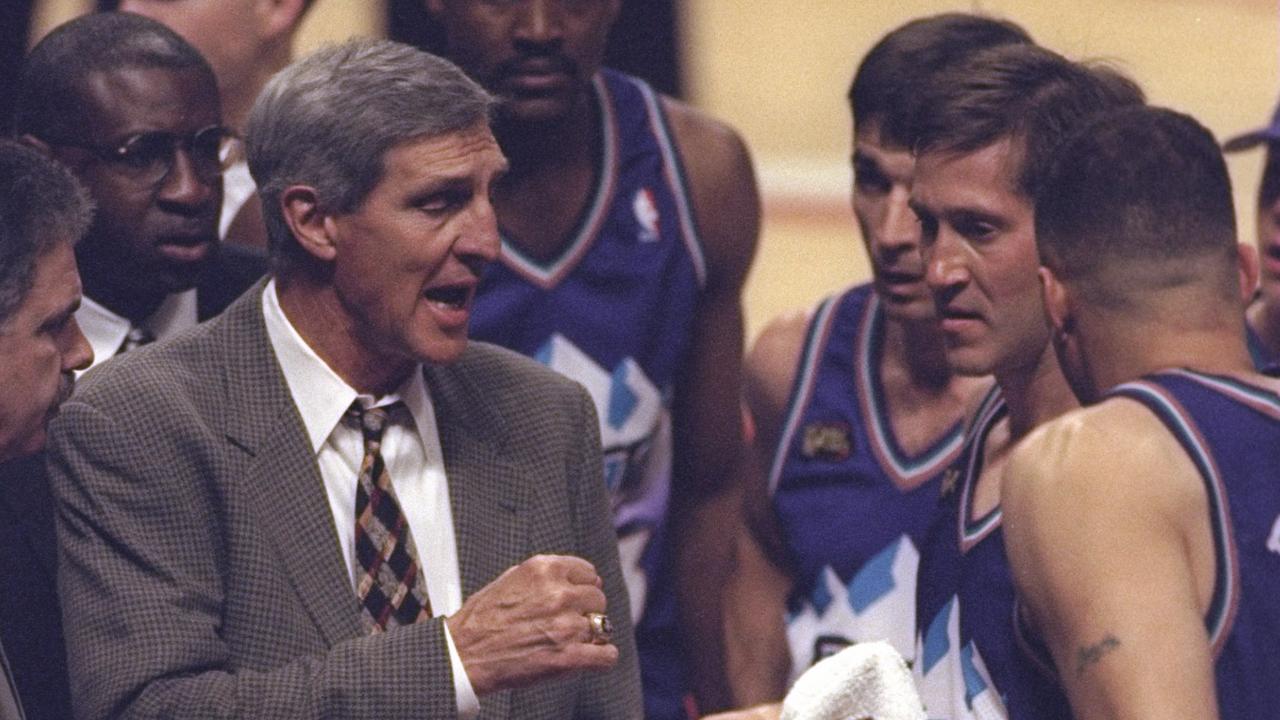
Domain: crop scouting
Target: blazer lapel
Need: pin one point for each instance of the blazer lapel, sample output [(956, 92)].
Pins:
[(281, 474), (487, 494)]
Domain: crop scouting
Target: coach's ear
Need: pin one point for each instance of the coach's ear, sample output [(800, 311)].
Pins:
[(312, 226), (1247, 260), (1057, 303)]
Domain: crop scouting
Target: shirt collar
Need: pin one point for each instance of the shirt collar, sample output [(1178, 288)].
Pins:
[(321, 396), (106, 330)]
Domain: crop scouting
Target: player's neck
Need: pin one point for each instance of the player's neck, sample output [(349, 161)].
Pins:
[(1035, 394), (918, 350), (545, 148), (1117, 358), (551, 179)]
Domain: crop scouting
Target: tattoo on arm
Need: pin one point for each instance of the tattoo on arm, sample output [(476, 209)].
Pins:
[(1091, 654)]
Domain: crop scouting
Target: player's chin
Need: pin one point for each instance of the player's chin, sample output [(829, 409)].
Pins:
[(910, 309), (969, 359)]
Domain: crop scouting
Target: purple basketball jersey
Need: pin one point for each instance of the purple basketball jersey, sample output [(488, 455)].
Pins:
[(614, 311), (851, 532)]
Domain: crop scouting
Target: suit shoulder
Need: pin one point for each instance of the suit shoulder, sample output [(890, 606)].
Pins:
[(510, 371), (157, 374)]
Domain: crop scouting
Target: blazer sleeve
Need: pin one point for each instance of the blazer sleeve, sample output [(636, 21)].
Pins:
[(614, 695), (144, 597)]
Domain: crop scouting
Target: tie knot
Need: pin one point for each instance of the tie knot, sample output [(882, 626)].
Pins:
[(372, 421)]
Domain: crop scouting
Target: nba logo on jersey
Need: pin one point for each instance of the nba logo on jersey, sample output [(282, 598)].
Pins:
[(646, 211), (1273, 542)]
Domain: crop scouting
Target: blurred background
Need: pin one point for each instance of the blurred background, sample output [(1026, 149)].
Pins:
[(777, 70)]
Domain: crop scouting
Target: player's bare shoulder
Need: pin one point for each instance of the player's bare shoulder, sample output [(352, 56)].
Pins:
[(770, 367), (1115, 452), (722, 186)]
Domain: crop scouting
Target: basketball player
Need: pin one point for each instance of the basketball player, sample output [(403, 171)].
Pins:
[(628, 224), (1144, 530), (1263, 314), (856, 410), (984, 131)]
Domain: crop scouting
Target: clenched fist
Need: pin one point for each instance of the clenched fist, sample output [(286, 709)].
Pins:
[(531, 624)]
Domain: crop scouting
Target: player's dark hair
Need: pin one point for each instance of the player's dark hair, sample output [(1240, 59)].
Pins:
[(902, 59), (1025, 93), (1139, 186), (41, 205), (50, 93)]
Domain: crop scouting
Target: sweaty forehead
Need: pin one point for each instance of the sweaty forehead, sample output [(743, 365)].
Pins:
[(127, 100)]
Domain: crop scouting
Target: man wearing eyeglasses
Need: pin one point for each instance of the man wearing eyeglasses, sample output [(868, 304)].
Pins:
[(133, 110)]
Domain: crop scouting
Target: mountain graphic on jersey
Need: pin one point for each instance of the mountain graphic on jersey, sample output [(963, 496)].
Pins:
[(635, 433), (952, 678), (875, 604)]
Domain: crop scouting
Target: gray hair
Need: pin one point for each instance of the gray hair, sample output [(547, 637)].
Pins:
[(41, 205), (328, 120)]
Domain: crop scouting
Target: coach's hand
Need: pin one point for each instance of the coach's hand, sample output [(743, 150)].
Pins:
[(532, 623)]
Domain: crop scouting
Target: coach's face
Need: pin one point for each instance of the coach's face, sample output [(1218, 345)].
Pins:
[(157, 220), (407, 261), (537, 55), (40, 346), (980, 257)]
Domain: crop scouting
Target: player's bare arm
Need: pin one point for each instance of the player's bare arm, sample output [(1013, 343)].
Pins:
[(708, 432), (757, 658), (1108, 534)]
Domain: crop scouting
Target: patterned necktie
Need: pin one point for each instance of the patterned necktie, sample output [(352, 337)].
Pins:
[(136, 338), (389, 584)]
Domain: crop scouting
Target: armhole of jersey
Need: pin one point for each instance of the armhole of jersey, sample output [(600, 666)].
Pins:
[(1029, 642), (815, 343), (1226, 593), (673, 169)]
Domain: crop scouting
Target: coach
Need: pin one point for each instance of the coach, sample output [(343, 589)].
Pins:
[(280, 513)]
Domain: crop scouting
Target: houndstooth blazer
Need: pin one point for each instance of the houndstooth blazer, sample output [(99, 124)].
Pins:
[(199, 567)]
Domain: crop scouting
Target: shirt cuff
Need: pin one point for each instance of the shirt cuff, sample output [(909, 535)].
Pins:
[(468, 703)]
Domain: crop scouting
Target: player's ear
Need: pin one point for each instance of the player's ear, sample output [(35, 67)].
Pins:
[(1249, 270), (1057, 306), (313, 227), (279, 18)]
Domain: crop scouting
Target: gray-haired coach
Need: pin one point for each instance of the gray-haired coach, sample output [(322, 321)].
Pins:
[(326, 503)]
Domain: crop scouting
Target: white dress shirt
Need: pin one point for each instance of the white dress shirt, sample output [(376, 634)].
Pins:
[(237, 186), (106, 330), (413, 459)]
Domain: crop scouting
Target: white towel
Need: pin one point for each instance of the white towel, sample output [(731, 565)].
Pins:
[(867, 680)]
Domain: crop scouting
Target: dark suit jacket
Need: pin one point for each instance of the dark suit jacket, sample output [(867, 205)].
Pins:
[(30, 622), (30, 625), (234, 270), (200, 567)]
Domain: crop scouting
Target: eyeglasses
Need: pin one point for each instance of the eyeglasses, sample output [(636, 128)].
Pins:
[(147, 158)]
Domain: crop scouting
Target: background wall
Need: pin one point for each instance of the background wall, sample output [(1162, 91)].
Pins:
[(778, 70), (779, 75)]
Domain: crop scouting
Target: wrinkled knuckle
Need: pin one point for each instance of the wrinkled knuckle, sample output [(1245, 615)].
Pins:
[(564, 598)]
